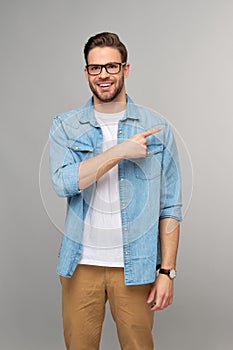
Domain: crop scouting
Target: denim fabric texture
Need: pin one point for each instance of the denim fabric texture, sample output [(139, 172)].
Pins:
[(150, 187)]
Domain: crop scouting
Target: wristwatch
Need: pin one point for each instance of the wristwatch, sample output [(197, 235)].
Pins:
[(170, 273)]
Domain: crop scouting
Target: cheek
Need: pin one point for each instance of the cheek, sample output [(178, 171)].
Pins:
[(120, 79), (90, 81)]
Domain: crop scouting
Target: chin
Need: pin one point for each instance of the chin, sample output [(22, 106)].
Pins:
[(105, 99)]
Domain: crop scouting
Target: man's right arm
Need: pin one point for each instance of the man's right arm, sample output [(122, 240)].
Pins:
[(90, 170), (70, 177)]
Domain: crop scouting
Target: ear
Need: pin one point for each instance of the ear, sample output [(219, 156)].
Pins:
[(85, 72), (126, 70)]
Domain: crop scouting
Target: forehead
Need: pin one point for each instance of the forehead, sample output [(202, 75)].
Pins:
[(102, 55)]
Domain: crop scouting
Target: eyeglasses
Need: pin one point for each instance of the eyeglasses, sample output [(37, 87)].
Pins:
[(111, 68)]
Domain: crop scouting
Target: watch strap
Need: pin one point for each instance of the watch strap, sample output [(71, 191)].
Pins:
[(164, 272), (170, 273)]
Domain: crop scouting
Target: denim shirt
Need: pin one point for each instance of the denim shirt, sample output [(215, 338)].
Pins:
[(149, 188)]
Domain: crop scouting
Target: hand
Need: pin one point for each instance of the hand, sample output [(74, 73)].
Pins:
[(135, 146), (161, 293)]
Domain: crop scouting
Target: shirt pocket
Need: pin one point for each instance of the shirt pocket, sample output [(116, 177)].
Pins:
[(149, 168), (80, 150)]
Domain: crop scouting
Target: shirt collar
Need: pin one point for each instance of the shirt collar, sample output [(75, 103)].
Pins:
[(88, 115)]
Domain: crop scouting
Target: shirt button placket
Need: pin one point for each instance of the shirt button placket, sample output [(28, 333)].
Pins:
[(123, 203)]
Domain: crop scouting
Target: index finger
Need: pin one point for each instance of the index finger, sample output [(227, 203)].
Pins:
[(150, 131)]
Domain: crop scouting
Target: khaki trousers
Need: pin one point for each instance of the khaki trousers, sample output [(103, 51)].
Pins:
[(84, 296)]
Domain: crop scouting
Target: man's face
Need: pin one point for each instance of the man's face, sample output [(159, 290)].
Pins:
[(107, 87)]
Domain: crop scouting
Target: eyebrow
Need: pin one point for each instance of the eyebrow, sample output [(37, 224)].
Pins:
[(98, 64)]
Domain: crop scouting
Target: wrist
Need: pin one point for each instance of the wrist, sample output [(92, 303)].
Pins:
[(170, 273), (120, 151)]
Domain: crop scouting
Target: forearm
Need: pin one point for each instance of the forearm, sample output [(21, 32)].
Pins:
[(90, 170), (169, 231)]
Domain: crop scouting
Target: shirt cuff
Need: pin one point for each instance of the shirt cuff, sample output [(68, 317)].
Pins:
[(172, 212), (70, 180)]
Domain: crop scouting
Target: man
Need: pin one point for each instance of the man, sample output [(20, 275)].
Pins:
[(117, 164)]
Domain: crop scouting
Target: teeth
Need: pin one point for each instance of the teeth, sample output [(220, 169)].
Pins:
[(104, 85)]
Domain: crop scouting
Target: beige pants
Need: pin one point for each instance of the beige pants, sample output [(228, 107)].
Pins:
[(83, 308)]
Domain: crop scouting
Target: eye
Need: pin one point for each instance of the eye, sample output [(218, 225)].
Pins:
[(112, 66), (94, 68)]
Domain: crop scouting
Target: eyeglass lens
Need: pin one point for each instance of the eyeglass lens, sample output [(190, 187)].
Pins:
[(111, 68)]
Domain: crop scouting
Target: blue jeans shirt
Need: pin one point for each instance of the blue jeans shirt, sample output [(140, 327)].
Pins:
[(150, 187)]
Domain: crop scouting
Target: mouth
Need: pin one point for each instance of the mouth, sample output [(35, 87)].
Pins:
[(105, 86)]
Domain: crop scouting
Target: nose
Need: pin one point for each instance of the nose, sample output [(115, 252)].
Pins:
[(103, 73)]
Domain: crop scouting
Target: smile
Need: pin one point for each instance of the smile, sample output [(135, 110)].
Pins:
[(104, 84)]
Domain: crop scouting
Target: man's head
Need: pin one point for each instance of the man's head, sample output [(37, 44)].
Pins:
[(106, 67), (105, 39)]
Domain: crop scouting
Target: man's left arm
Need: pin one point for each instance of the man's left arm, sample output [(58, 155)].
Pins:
[(162, 291), (169, 228)]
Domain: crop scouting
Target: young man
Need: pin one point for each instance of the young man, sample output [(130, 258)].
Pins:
[(117, 164)]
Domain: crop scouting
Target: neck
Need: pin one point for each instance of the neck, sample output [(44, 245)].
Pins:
[(110, 107)]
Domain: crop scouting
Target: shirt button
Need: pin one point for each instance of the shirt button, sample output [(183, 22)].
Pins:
[(148, 152), (125, 228), (76, 148), (122, 179), (123, 204), (126, 253), (120, 131)]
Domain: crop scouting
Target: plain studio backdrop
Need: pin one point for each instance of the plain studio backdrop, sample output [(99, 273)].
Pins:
[(181, 55)]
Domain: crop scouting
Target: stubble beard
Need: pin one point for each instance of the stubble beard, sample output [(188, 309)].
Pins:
[(111, 97)]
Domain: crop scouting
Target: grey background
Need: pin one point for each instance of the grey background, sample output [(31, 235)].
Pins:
[(181, 58)]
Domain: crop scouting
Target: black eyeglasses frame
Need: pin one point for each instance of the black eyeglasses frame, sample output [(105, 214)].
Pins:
[(120, 64)]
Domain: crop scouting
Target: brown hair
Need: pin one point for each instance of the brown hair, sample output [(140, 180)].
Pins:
[(105, 39)]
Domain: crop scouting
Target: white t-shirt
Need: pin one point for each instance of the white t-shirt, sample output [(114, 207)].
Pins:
[(102, 236)]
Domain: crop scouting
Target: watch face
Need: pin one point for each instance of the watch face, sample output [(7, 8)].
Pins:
[(172, 274)]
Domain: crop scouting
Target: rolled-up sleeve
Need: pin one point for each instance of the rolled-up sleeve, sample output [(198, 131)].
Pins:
[(171, 188), (63, 166)]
